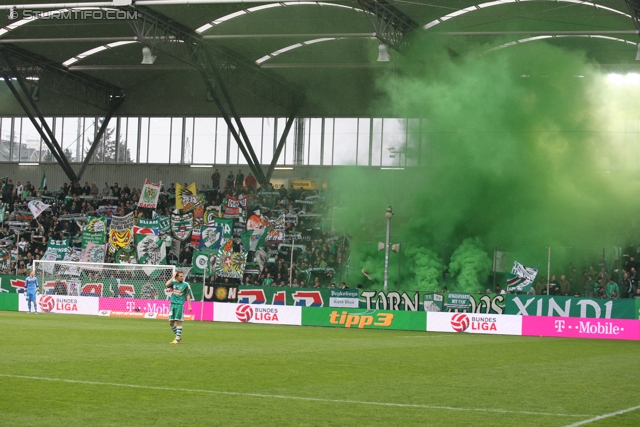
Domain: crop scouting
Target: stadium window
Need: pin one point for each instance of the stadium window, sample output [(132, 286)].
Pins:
[(159, 140), (315, 140), (345, 141)]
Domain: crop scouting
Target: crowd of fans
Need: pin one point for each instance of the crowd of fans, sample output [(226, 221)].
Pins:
[(317, 259)]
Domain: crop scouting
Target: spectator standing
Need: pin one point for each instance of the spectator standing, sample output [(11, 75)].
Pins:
[(215, 180), (239, 179), (230, 180), (251, 182), (565, 286), (106, 190), (612, 291), (588, 287)]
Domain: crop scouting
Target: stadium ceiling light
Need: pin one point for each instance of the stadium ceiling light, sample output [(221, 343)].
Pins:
[(28, 164), (284, 169), (383, 53), (147, 57), (201, 166)]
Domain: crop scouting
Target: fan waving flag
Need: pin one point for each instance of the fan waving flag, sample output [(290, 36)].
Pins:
[(37, 207), (150, 194), (43, 182), (254, 239), (521, 278)]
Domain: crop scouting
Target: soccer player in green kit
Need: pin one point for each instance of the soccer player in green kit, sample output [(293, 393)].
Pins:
[(179, 292)]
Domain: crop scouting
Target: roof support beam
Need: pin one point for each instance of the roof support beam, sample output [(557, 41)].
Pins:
[(171, 38), (217, 67), (634, 8), (255, 168), (48, 74), (283, 139), (53, 143), (392, 27), (115, 104), (69, 172)]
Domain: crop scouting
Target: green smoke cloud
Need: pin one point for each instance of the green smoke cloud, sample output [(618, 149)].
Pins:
[(499, 160)]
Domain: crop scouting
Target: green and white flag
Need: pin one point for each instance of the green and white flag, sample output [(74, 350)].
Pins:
[(150, 249), (164, 223), (254, 239), (43, 182), (521, 278), (202, 260), (211, 238), (2, 209), (227, 226)]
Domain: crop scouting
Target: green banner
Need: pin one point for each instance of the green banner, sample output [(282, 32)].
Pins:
[(433, 302), (8, 302), (415, 301), (457, 301), (7, 287), (356, 318), (343, 293), (89, 237), (542, 305)]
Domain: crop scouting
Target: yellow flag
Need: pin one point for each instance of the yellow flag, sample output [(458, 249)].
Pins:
[(186, 196)]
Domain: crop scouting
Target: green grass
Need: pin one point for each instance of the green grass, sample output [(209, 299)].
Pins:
[(519, 374)]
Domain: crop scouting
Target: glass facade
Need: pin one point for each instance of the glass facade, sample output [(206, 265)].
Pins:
[(207, 140)]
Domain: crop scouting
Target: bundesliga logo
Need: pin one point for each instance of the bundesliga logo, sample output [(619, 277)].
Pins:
[(244, 313), (47, 303), (460, 322)]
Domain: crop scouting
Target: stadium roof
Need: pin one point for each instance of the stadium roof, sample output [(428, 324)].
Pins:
[(308, 58)]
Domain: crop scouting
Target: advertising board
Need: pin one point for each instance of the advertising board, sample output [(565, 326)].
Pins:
[(474, 323), (364, 319), (151, 309), (254, 313), (572, 327), (62, 304)]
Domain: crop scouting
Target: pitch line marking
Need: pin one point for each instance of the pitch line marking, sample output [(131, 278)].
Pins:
[(276, 396), (602, 417)]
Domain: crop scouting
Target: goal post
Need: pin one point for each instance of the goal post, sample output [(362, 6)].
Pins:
[(134, 281)]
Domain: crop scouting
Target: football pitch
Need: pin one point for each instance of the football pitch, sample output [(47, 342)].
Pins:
[(65, 370)]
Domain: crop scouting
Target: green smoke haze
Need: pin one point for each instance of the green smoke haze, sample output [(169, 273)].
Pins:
[(518, 153)]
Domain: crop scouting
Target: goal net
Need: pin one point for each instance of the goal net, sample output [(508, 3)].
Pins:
[(79, 279)]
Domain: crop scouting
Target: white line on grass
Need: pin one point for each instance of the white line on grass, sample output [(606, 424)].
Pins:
[(601, 417), (275, 396)]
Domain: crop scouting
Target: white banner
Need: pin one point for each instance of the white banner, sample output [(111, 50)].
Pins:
[(62, 304), (343, 302), (474, 323), (257, 313)]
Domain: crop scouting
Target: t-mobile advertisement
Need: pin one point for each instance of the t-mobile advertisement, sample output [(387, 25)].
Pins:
[(575, 327), (152, 309)]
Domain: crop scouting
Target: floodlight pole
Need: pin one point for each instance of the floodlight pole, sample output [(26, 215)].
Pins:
[(388, 215), (293, 242)]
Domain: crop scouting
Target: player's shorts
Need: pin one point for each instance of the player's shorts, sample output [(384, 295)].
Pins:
[(31, 297), (176, 312)]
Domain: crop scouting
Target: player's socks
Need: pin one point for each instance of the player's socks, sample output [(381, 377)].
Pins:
[(178, 333), (174, 329)]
